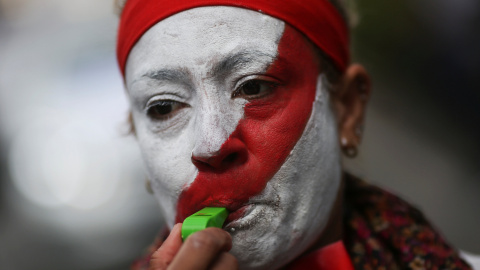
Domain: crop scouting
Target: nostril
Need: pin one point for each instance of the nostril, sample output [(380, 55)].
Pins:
[(230, 158), (232, 154), (202, 162)]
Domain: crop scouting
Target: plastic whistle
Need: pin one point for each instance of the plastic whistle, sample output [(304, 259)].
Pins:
[(207, 217)]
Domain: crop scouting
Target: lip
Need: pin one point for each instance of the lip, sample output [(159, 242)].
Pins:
[(236, 211), (248, 218), (237, 214)]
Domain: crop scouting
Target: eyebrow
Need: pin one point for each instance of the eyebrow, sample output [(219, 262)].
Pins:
[(240, 60), (170, 75), (227, 65)]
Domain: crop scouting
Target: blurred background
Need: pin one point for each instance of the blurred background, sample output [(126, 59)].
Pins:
[(72, 192)]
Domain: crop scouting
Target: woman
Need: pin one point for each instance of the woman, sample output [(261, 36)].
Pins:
[(248, 105)]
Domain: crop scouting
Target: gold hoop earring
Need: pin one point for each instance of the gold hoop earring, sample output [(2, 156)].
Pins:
[(348, 150)]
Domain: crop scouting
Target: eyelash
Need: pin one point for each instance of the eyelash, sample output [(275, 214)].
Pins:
[(268, 87), (164, 109)]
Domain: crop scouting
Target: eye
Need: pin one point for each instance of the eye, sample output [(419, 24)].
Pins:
[(254, 89), (164, 109)]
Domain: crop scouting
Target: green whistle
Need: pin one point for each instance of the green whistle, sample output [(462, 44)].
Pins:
[(207, 217)]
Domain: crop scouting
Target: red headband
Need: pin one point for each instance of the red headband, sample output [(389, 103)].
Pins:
[(317, 19)]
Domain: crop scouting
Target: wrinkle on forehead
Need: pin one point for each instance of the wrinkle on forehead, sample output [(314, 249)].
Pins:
[(242, 60), (202, 36)]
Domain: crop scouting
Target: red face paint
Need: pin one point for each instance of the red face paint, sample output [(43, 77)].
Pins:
[(262, 141)]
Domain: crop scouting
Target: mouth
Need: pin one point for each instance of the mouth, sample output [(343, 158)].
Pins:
[(236, 217), (235, 210), (239, 210), (246, 217), (237, 214)]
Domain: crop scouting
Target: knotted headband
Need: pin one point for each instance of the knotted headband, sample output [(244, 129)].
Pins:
[(317, 19)]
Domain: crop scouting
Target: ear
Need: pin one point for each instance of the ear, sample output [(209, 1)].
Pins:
[(350, 100)]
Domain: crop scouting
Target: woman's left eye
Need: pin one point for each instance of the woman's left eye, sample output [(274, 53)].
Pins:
[(254, 89)]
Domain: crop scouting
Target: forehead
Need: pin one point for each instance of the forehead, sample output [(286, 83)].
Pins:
[(200, 36)]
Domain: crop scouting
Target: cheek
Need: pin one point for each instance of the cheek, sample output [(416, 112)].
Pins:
[(264, 138), (167, 158)]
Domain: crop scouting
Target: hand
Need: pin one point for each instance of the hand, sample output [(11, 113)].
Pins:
[(206, 249)]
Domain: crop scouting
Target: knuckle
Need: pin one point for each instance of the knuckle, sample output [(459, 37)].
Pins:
[(202, 240), (219, 234)]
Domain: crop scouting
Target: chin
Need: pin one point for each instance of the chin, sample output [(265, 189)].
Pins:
[(259, 240)]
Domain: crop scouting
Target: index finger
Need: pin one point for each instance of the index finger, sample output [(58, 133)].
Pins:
[(165, 254), (202, 248)]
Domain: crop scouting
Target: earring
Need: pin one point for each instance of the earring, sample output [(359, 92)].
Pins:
[(148, 186), (348, 150)]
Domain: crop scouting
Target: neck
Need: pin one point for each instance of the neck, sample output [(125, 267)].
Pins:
[(333, 232)]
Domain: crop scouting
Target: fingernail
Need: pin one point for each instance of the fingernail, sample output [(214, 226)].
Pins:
[(177, 226)]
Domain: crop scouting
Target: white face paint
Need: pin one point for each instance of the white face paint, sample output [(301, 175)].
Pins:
[(303, 192), (193, 63)]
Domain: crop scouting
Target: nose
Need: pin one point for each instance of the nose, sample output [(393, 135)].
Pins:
[(232, 153)]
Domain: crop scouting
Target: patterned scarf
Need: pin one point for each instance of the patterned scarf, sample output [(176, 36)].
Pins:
[(384, 232), (381, 231)]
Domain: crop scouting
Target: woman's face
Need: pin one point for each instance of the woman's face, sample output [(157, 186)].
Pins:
[(230, 110)]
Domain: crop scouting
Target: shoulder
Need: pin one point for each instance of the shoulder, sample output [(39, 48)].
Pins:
[(382, 229)]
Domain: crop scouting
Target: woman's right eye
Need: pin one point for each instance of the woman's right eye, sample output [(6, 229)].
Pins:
[(164, 109)]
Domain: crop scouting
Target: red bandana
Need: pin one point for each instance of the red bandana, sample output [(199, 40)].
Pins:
[(317, 19)]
